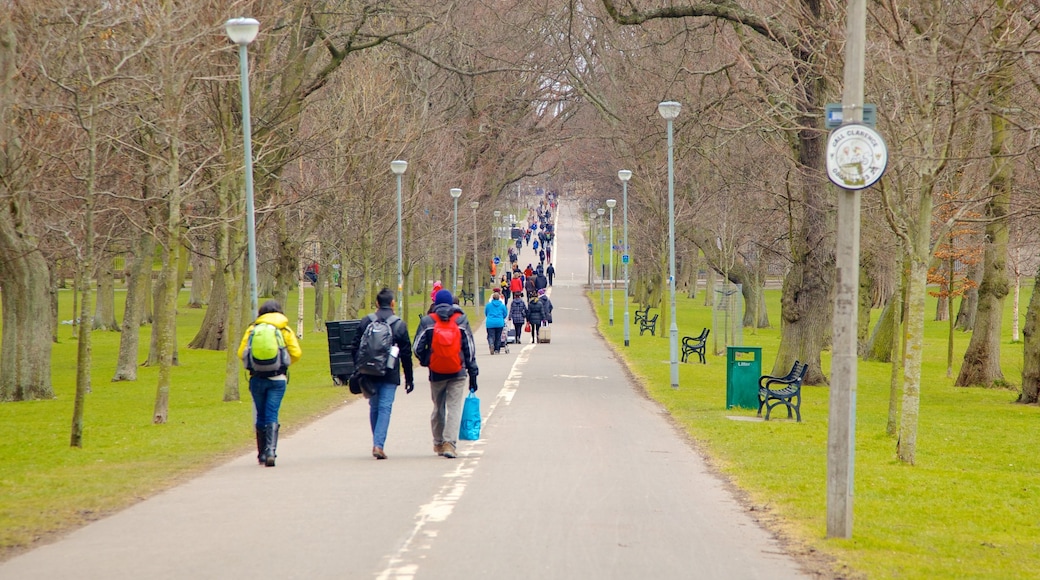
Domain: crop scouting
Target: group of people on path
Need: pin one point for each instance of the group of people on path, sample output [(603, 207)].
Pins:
[(443, 343)]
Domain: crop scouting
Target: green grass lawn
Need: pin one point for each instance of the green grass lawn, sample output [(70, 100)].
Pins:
[(963, 511), (47, 486)]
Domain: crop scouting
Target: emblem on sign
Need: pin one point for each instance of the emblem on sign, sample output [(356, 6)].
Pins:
[(856, 156)]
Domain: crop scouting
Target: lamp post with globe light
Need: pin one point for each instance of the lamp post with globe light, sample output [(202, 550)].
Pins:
[(599, 232), (455, 193), (476, 265), (624, 175), (611, 203), (399, 167), (243, 31), (670, 110), (495, 237)]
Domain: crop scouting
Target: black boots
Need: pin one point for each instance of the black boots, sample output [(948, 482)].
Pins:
[(271, 434), (261, 445)]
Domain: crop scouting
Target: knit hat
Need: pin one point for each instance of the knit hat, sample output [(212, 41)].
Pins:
[(443, 297), (436, 288), (541, 292)]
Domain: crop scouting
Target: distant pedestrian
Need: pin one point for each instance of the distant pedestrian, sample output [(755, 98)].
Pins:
[(444, 344), (550, 273), (495, 315), (267, 387), (541, 282), (530, 288), (437, 287), (518, 315), (383, 388)]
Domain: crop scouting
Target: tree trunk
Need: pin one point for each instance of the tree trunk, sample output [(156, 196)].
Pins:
[(969, 306), (212, 334), (319, 294), (1015, 310), (866, 302), (879, 347), (28, 324), (906, 448), (158, 291), (941, 302), (982, 359), (895, 357), (201, 280), (84, 360), (709, 287), (1031, 347), (25, 353), (105, 311), (166, 299), (138, 285)]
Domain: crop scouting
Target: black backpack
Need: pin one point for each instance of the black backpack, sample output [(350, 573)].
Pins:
[(373, 355)]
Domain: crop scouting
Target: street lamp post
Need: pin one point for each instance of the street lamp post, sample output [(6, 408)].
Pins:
[(495, 237), (599, 232), (476, 265), (611, 203), (624, 175), (399, 167), (242, 31), (455, 193), (670, 110)]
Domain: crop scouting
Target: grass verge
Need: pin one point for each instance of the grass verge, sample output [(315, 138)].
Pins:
[(48, 487), (963, 511)]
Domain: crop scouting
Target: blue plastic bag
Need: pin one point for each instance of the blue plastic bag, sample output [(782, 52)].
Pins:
[(470, 427)]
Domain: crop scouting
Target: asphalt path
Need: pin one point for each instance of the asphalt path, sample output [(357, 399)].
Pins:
[(576, 475)]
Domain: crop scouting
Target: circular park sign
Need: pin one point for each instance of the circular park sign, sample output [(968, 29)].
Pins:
[(856, 156)]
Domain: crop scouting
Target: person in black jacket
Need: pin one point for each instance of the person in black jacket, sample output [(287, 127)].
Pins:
[(535, 315), (384, 389), (447, 390)]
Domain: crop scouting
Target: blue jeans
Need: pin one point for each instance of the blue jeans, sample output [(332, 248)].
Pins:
[(267, 398), (379, 407)]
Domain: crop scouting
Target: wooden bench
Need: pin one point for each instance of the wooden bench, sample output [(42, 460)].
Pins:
[(465, 297), (642, 314), (649, 324), (695, 345), (785, 390)]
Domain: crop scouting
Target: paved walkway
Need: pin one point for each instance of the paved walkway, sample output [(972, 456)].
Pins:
[(577, 475)]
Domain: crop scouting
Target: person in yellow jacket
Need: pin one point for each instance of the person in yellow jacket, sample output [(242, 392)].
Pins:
[(268, 387)]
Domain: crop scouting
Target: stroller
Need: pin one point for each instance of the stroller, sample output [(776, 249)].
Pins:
[(507, 337)]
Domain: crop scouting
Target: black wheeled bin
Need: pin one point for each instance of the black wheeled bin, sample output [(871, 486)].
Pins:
[(342, 334)]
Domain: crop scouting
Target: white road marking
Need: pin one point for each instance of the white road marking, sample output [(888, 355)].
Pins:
[(404, 564)]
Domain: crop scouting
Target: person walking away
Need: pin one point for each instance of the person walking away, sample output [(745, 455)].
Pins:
[(550, 273), (530, 288), (437, 287), (547, 305), (535, 315), (444, 344), (518, 315), (495, 315), (541, 282), (383, 388), (268, 380)]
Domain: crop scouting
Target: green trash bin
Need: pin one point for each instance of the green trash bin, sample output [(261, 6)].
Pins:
[(743, 369)]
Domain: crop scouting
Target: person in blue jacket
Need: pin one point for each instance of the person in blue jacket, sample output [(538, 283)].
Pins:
[(495, 314)]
